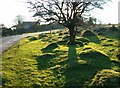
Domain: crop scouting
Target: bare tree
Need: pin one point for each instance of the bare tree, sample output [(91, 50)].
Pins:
[(69, 13)]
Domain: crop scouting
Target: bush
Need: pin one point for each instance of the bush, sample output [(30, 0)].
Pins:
[(106, 78)]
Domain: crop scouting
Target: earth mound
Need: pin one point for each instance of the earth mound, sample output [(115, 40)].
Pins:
[(88, 33), (33, 38), (91, 36), (106, 78), (50, 47), (95, 58)]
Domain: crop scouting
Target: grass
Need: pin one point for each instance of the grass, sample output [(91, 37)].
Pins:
[(46, 61)]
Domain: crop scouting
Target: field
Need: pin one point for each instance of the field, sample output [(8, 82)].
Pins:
[(46, 60)]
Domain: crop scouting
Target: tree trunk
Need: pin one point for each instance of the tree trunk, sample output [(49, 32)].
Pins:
[(72, 36)]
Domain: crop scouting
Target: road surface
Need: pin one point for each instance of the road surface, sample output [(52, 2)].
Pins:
[(7, 42)]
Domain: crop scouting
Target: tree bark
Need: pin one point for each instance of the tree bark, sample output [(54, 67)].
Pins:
[(72, 36)]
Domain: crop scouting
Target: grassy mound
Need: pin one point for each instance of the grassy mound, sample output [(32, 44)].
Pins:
[(116, 54), (42, 36), (95, 58), (80, 44), (50, 63), (88, 33), (50, 47), (66, 38), (84, 41), (33, 38), (113, 29), (106, 78), (63, 42), (91, 36)]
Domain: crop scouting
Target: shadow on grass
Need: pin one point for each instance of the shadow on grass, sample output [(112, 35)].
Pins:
[(79, 72), (44, 61), (50, 47)]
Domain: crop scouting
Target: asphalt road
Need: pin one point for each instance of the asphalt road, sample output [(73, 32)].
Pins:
[(6, 42)]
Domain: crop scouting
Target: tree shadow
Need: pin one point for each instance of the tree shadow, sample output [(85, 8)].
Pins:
[(78, 72), (44, 61)]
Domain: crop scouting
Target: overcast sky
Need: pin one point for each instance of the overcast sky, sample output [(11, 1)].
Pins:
[(9, 9)]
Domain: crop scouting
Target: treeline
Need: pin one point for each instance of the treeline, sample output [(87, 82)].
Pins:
[(35, 28)]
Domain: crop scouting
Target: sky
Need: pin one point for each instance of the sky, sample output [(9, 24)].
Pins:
[(9, 9)]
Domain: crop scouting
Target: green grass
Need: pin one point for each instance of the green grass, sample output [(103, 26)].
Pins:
[(46, 61)]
